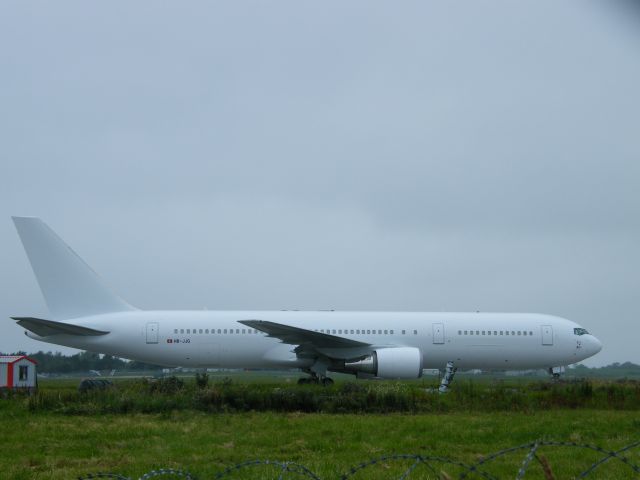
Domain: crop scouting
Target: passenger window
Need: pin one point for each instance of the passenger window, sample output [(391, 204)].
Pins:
[(225, 330), (507, 332), (219, 331), (182, 330), (379, 332), (237, 330), (512, 332), (459, 332), (386, 332), (188, 330), (200, 331), (483, 332), (495, 332), (175, 331), (519, 332), (530, 333), (471, 332), (243, 331), (403, 332), (206, 331), (391, 331), (415, 332), (368, 332), (466, 332), (489, 332), (477, 332), (524, 333), (351, 332), (501, 332)]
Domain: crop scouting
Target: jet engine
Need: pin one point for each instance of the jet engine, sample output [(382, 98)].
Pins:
[(396, 362)]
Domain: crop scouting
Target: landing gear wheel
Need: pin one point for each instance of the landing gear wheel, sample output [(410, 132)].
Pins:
[(327, 382)]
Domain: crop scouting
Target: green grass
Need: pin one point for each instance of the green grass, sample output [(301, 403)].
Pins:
[(45, 443)]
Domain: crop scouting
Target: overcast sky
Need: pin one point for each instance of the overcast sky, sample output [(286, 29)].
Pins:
[(449, 156)]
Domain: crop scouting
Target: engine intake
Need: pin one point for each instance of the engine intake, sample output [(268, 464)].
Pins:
[(397, 362)]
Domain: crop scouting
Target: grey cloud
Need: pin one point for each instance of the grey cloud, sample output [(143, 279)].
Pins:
[(420, 156)]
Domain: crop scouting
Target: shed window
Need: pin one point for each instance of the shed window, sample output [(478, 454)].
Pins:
[(23, 373)]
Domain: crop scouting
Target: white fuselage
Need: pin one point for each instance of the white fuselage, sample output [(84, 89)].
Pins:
[(216, 339)]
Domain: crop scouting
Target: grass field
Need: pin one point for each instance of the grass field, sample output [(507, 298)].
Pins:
[(49, 443)]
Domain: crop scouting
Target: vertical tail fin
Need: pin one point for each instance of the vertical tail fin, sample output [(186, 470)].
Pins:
[(70, 287)]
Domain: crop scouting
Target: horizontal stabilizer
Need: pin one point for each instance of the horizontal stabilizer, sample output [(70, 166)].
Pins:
[(46, 328)]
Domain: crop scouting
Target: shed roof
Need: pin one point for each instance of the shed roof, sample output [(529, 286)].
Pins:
[(15, 358)]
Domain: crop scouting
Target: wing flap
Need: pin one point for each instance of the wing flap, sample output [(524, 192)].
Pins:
[(46, 328)]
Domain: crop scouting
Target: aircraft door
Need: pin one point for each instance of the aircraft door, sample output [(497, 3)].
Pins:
[(547, 334), (152, 332), (438, 333)]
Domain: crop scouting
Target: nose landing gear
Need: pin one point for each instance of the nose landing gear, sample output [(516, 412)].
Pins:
[(449, 373)]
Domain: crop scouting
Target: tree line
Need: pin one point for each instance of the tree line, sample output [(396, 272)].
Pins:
[(50, 362)]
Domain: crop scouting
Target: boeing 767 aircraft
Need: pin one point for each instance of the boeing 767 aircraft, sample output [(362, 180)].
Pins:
[(85, 314)]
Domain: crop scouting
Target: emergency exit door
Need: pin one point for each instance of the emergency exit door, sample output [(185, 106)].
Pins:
[(547, 334), (152, 332), (438, 333)]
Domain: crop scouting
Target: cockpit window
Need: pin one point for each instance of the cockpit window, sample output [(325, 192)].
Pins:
[(580, 331)]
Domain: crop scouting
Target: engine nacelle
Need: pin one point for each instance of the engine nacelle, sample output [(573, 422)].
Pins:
[(396, 362)]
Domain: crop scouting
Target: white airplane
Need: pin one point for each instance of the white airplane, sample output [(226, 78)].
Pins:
[(85, 314)]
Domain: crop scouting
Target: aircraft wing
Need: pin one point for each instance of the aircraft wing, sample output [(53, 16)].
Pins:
[(46, 328), (308, 341)]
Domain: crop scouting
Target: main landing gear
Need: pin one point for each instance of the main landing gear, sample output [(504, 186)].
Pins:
[(326, 381), (447, 378), (315, 379), (555, 372)]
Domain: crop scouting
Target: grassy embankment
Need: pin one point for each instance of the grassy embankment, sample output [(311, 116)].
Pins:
[(61, 434)]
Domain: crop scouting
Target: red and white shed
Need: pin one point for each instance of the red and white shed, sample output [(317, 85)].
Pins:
[(17, 371)]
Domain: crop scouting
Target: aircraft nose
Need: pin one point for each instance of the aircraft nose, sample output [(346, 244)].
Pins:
[(595, 345)]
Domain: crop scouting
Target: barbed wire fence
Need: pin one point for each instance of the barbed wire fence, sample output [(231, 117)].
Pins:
[(410, 466)]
